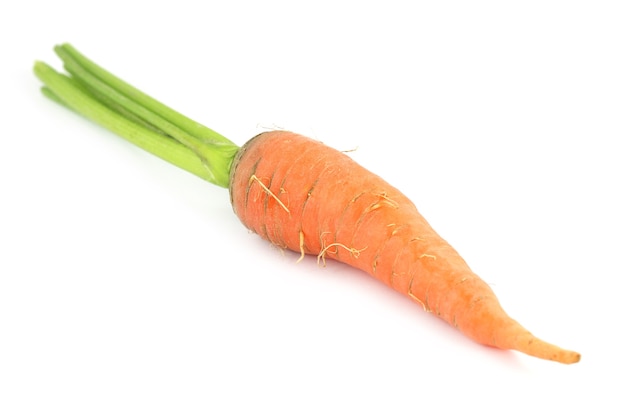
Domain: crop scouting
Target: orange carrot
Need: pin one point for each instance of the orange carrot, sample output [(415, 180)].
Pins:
[(302, 195)]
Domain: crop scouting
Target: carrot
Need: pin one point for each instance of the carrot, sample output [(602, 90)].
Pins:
[(302, 195)]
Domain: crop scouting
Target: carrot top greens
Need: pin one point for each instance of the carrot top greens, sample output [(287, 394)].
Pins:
[(105, 99)]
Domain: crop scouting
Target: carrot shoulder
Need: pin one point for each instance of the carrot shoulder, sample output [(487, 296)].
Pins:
[(307, 197)]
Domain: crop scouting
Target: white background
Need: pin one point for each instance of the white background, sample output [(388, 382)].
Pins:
[(127, 282)]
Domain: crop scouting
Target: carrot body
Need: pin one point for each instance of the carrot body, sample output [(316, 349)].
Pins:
[(302, 195)]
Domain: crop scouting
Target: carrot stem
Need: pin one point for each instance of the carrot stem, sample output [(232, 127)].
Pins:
[(107, 100)]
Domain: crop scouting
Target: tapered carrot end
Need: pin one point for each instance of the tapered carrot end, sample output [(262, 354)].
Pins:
[(531, 345), (569, 357), (490, 325), (554, 353)]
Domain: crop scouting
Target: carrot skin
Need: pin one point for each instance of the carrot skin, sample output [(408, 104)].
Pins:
[(307, 197)]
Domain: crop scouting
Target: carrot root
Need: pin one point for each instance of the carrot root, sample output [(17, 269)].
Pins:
[(353, 251), (254, 178), (329, 193)]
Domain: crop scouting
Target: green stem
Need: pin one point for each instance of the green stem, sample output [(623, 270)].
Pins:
[(107, 100)]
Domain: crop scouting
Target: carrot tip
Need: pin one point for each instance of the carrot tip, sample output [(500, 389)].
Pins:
[(550, 352), (570, 357)]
